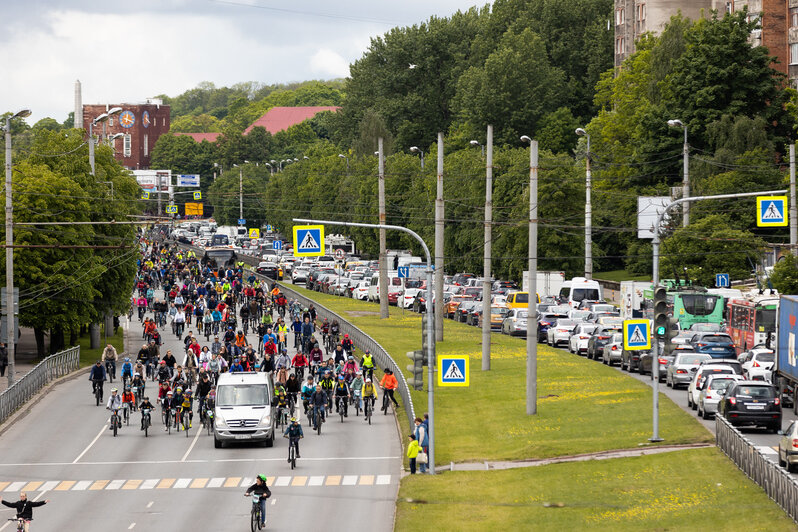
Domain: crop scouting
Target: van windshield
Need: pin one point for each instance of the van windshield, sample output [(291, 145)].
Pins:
[(521, 297), (242, 395), (585, 293)]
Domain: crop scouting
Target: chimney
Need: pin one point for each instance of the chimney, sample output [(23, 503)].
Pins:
[(78, 106)]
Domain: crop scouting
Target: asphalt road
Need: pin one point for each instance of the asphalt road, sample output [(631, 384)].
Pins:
[(63, 451)]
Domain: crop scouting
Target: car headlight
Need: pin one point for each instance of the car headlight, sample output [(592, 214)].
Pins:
[(265, 419), (220, 422)]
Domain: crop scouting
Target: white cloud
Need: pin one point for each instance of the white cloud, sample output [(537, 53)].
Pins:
[(327, 63)]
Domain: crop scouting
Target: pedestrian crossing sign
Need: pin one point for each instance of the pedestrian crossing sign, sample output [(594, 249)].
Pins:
[(636, 335), (171, 209), (308, 240), (198, 195), (453, 371), (254, 233), (145, 194), (771, 211)]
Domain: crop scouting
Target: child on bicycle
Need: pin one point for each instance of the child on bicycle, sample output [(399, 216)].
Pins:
[(294, 433), (128, 401), (145, 405), (260, 488)]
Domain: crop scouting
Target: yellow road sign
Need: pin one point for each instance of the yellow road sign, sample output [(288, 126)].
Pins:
[(254, 233), (198, 195), (194, 209), (145, 194), (308, 240), (171, 209)]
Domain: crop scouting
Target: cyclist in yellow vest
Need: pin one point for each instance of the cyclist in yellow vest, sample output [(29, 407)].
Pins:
[(367, 364)]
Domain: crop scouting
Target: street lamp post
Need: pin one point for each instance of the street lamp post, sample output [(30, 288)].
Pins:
[(476, 143), (10, 318), (416, 149), (342, 156), (532, 300), (686, 172), (240, 193), (588, 211)]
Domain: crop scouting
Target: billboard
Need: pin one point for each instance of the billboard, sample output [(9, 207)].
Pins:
[(149, 179), (648, 209), (188, 180), (194, 209)]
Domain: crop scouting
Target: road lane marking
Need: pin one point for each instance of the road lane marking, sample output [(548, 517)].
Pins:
[(99, 485), (232, 482), (165, 483), (246, 482), (15, 486), (32, 486), (270, 481), (132, 484), (198, 461), (3, 485), (383, 480), (182, 483), (82, 485), (50, 485), (299, 481), (97, 437), (316, 481), (193, 443), (349, 480), (198, 483), (65, 485), (366, 480), (131, 526), (282, 481), (149, 484), (333, 480), (216, 482), (149, 504), (115, 485)]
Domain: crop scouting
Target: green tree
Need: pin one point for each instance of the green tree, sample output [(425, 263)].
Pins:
[(785, 275), (223, 195)]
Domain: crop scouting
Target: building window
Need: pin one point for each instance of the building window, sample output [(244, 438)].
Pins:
[(146, 145), (110, 121), (619, 46), (641, 12), (620, 17), (729, 7), (794, 53), (126, 149), (794, 17)]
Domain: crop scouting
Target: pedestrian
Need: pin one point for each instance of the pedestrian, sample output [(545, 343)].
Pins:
[(3, 359), (412, 453), (423, 441)]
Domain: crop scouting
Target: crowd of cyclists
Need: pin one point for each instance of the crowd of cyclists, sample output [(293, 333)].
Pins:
[(176, 294)]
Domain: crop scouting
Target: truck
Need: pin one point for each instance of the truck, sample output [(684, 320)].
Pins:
[(786, 371), (633, 298), (548, 283)]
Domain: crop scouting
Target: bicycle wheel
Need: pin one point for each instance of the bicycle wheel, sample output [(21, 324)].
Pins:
[(341, 406), (146, 427), (255, 521), (97, 397), (292, 455), (368, 413), (116, 424)]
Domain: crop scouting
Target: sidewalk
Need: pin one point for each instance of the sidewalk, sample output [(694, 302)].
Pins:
[(25, 357)]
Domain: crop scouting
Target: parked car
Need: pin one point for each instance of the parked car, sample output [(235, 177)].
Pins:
[(515, 323), (788, 447), (712, 392), (682, 370), (560, 332), (600, 337), (752, 403), (577, 343), (612, 351)]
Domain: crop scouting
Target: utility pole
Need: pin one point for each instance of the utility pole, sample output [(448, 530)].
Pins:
[(383, 252), (91, 147), (438, 249), (240, 194), (793, 206), (486, 285), (588, 210), (686, 181), (532, 339)]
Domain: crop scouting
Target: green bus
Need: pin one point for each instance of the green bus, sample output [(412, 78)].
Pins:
[(690, 305)]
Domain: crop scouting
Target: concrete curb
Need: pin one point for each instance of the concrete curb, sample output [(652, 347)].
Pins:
[(26, 408)]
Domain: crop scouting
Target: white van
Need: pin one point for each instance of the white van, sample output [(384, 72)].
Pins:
[(244, 409), (578, 289), (395, 285)]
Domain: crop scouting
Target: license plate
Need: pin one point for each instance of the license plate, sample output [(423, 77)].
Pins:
[(718, 349), (243, 436), (756, 407)]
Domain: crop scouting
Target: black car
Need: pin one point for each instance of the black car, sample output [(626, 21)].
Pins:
[(269, 269), (752, 403), (631, 360), (464, 309), (420, 302), (544, 322), (600, 337)]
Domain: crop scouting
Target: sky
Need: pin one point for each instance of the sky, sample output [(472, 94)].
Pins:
[(125, 52)]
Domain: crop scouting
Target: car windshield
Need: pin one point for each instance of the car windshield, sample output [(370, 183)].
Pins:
[(585, 293), (699, 304), (766, 357), (242, 395), (755, 392), (580, 314), (617, 337), (589, 328)]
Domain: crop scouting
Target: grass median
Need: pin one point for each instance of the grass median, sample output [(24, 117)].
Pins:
[(582, 406), (697, 489)]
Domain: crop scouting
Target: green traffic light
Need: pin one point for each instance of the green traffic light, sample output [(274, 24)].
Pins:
[(660, 330)]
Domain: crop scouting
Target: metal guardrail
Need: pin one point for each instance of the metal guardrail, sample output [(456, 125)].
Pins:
[(774, 479), (47, 370)]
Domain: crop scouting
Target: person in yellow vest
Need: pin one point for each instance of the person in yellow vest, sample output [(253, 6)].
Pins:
[(412, 452), (367, 364)]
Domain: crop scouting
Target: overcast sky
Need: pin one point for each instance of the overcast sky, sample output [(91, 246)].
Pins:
[(127, 51)]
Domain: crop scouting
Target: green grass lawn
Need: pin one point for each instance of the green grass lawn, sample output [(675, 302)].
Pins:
[(582, 407), (620, 275), (90, 356), (697, 489)]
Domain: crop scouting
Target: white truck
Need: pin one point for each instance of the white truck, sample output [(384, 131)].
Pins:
[(633, 298), (548, 283)]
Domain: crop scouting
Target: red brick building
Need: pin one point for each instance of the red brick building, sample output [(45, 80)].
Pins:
[(141, 124)]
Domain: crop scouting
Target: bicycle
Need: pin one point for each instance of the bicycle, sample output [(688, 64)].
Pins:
[(116, 422), (20, 523), (126, 413), (282, 416), (386, 402), (185, 421), (146, 420), (136, 391), (110, 370), (255, 514), (172, 415), (98, 392), (356, 398), (209, 420), (367, 408), (341, 406), (318, 419), (293, 450)]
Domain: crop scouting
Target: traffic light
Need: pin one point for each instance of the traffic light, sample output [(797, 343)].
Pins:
[(417, 368), (671, 333), (660, 311)]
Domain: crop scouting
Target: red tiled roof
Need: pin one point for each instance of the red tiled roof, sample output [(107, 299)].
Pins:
[(281, 118), (199, 137)]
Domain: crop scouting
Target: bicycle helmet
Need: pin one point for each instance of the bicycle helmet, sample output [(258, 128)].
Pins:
[(262, 477), (368, 380), (351, 357), (340, 377), (346, 336), (293, 420), (188, 392), (127, 388), (114, 390), (127, 359), (170, 392), (179, 389), (163, 362)]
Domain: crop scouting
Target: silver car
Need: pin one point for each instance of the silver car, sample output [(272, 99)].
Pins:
[(712, 392), (613, 350), (515, 324), (560, 332), (682, 369)]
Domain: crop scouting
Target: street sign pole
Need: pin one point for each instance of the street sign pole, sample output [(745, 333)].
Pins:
[(430, 326)]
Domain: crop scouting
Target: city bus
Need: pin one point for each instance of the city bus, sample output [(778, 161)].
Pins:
[(751, 320)]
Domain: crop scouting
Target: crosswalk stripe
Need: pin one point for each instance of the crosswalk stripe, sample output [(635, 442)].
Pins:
[(65, 485), (216, 482), (149, 484), (182, 483), (316, 481), (247, 482), (282, 481), (383, 480), (98, 485), (269, 481), (349, 480), (3, 485), (82, 485), (32, 486), (49, 485), (333, 480), (366, 480), (198, 483), (165, 483), (115, 484), (299, 481), (132, 484), (232, 482), (15, 486)]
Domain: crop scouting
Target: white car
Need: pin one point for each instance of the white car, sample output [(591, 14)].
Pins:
[(700, 379), (578, 342), (406, 299), (758, 365), (560, 332), (712, 392), (361, 291)]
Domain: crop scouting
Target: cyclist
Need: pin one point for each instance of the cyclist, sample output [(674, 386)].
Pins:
[(342, 390), (97, 377), (350, 365), (114, 404), (369, 393), (318, 401), (327, 384), (236, 366), (185, 406), (145, 405), (128, 401), (307, 333), (307, 391), (294, 433), (335, 331), (166, 405), (203, 389), (296, 328), (292, 388), (389, 384), (163, 372), (281, 402), (367, 363), (138, 382), (357, 388), (347, 344), (300, 362), (110, 357), (260, 488), (127, 370), (176, 402), (24, 508)]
